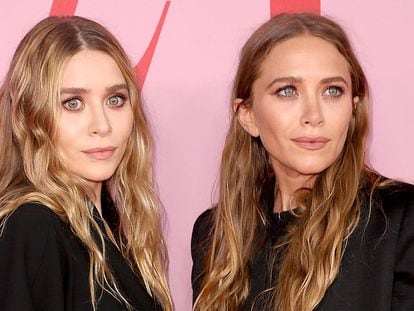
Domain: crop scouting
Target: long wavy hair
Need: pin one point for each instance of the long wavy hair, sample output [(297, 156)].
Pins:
[(32, 170), (325, 215)]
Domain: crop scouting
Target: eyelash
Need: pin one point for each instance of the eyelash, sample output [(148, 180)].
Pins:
[(336, 87), (286, 87), (67, 101), (121, 96), (79, 99)]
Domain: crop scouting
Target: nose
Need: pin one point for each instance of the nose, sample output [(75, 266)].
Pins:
[(312, 112), (99, 122)]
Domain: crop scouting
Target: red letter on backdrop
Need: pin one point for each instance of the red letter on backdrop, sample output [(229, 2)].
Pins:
[(63, 7), (68, 8), (291, 6), (141, 69)]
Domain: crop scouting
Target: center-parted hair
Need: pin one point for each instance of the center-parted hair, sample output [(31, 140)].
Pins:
[(31, 169), (325, 215)]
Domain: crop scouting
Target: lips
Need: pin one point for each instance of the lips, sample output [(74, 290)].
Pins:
[(100, 153), (311, 143)]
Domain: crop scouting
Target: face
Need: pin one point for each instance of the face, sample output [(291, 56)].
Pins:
[(95, 117), (302, 106)]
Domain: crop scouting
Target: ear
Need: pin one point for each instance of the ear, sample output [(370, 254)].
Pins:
[(355, 102), (245, 116)]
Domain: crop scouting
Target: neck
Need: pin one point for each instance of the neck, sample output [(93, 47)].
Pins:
[(286, 185), (96, 188)]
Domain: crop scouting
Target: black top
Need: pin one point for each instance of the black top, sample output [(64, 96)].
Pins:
[(377, 268), (44, 266)]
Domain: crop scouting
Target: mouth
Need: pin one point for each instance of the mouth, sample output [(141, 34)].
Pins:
[(311, 143), (100, 153)]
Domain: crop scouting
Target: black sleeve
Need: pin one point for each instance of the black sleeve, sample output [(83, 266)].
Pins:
[(403, 287), (31, 277), (199, 247)]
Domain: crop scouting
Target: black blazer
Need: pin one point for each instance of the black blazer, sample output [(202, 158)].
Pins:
[(44, 266), (377, 268)]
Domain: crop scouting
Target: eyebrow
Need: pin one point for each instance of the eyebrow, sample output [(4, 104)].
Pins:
[(291, 79), (73, 90), (334, 79), (117, 87), (287, 80), (80, 90)]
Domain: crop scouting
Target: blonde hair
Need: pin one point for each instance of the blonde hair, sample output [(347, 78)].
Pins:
[(31, 169), (326, 214)]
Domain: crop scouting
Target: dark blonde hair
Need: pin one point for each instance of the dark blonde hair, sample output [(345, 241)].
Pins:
[(32, 170), (326, 214)]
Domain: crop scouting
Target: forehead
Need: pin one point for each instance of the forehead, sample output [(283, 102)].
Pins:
[(90, 68), (305, 55)]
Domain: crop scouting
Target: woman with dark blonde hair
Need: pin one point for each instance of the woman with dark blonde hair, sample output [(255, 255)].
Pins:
[(301, 222), (79, 218)]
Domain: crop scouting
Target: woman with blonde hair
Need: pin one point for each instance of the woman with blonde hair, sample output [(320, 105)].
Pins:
[(301, 222), (80, 221)]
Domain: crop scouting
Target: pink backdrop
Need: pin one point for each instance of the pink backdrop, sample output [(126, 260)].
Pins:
[(188, 71)]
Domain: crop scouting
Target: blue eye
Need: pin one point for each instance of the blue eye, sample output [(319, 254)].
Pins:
[(73, 104), (286, 91), (334, 91), (116, 100)]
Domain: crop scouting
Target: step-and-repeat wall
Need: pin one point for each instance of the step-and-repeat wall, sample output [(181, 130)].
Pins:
[(185, 53)]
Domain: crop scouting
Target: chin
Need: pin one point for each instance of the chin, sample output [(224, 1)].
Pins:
[(93, 177), (313, 168), (100, 178)]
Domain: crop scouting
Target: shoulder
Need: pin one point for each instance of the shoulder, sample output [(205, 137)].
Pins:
[(30, 227), (36, 210), (396, 201), (202, 230), (205, 219), (396, 197), (31, 218), (203, 225), (398, 190), (199, 246), (27, 239)]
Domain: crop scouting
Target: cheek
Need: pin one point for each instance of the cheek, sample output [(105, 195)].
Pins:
[(65, 137), (70, 126), (341, 127), (71, 129), (67, 134), (65, 146), (341, 139), (273, 124), (124, 127), (342, 120)]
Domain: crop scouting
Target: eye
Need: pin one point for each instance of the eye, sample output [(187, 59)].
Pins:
[(334, 91), (73, 104), (286, 91), (117, 100)]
